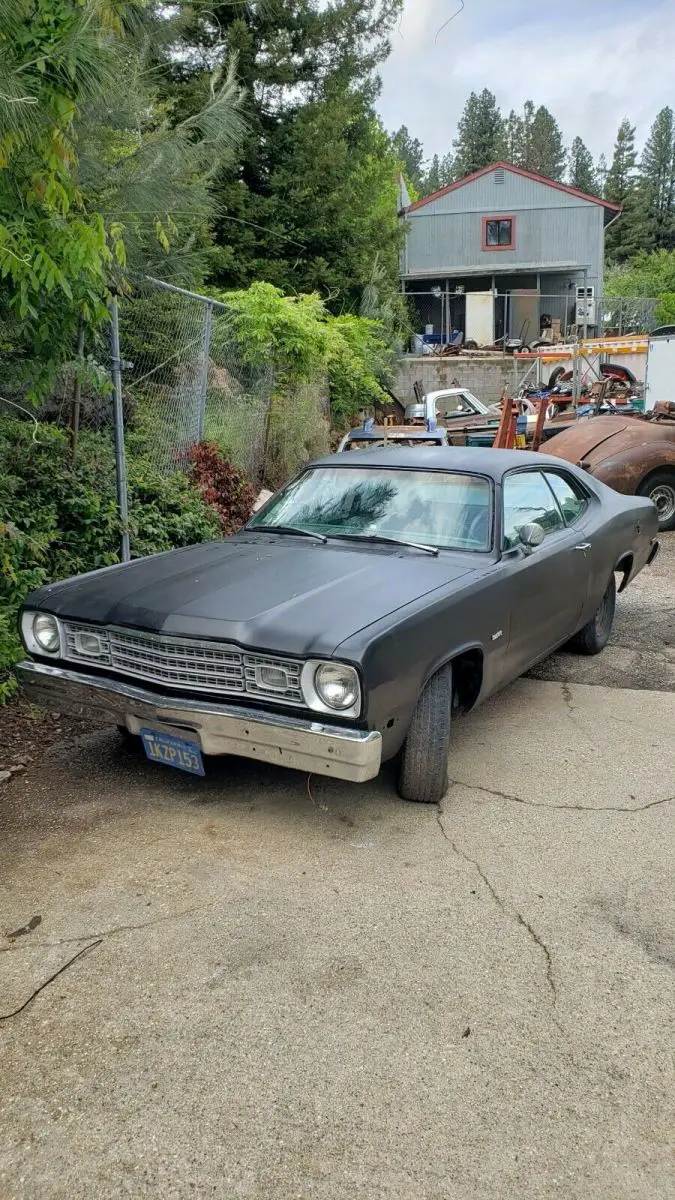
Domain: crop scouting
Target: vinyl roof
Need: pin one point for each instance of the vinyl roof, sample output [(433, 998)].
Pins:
[(464, 460)]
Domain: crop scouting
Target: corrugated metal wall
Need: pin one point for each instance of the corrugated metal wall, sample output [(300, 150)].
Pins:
[(552, 228)]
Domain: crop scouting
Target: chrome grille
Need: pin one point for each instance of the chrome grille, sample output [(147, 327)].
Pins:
[(188, 663)]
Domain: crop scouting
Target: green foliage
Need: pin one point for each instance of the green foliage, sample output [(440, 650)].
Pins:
[(658, 173), (581, 169), (440, 173), (410, 153), (647, 275), (58, 520), (303, 342), (480, 134), (534, 141), (96, 178), (314, 198)]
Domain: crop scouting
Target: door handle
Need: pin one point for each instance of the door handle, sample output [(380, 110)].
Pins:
[(584, 546)]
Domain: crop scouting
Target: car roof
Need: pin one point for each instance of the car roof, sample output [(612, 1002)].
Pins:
[(464, 460)]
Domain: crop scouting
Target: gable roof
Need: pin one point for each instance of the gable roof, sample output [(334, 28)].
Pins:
[(561, 187)]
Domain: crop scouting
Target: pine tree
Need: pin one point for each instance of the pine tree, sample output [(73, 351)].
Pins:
[(546, 151), (630, 234), (513, 138), (411, 155), (581, 171), (291, 55), (480, 134), (658, 173), (534, 141), (439, 174), (602, 171)]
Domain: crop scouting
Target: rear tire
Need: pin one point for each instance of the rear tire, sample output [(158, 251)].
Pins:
[(423, 776), (660, 489), (594, 636)]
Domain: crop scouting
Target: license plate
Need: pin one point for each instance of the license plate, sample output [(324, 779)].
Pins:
[(173, 751)]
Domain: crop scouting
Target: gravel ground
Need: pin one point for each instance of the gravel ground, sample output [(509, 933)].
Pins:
[(641, 653), (288, 988)]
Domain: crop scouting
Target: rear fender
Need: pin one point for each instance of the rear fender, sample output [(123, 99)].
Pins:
[(630, 468)]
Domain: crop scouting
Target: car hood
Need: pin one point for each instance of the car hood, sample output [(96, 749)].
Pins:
[(281, 594)]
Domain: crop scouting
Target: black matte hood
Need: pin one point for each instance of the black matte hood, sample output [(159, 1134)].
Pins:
[(259, 590)]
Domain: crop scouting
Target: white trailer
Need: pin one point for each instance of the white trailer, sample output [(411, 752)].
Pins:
[(660, 374)]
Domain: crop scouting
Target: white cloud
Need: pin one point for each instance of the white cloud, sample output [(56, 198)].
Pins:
[(605, 59)]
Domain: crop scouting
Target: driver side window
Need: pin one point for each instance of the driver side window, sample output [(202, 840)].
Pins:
[(528, 498)]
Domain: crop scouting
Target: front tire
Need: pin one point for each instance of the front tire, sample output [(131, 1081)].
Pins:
[(423, 776), (660, 489), (594, 636)]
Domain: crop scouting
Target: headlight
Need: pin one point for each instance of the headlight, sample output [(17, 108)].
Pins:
[(337, 685), (41, 633), (46, 633), (331, 687)]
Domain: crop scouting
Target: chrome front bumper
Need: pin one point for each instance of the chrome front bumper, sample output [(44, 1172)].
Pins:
[(303, 745)]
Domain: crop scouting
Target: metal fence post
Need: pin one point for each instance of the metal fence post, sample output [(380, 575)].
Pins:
[(203, 382), (118, 410)]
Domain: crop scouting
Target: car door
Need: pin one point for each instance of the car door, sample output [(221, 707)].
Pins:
[(545, 588)]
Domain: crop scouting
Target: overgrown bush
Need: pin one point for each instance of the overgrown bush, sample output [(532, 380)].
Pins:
[(225, 489), (58, 520), (305, 343)]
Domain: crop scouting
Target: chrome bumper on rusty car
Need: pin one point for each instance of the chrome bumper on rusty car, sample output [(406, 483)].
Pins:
[(303, 745)]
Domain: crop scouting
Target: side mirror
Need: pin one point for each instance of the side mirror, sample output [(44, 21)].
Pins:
[(531, 536)]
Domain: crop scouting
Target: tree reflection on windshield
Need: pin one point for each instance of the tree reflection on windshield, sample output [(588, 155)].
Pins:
[(443, 509)]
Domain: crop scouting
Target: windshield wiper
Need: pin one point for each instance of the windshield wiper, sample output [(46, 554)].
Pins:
[(387, 541), (318, 537)]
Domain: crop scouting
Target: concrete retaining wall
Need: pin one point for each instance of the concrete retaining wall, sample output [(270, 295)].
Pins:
[(485, 376)]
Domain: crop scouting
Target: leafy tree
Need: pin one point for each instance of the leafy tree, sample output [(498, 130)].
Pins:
[(410, 152), (658, 173), (480, 134), (581, 171), (96, 177), (650, 275)]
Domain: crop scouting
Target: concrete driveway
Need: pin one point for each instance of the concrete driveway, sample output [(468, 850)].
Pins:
[(317, 991)]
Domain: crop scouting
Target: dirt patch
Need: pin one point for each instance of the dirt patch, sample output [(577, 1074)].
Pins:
[(29, 732)]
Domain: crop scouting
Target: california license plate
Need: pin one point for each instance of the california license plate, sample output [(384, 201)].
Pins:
[(173, 751)]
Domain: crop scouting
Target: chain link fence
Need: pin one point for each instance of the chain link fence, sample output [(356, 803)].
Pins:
[(444, 318), (187, 379)]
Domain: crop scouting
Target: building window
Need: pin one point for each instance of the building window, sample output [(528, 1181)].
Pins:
[(499, 233)]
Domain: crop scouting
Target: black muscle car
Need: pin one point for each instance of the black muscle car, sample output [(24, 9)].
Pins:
[(371, 599)]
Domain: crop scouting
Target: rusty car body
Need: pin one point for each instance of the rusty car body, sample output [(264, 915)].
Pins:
[(634, 455)]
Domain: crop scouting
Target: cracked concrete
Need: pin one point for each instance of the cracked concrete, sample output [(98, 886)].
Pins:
[(308, 992), (510, 913)]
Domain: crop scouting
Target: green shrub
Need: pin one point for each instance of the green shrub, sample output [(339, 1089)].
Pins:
[(58, 520)]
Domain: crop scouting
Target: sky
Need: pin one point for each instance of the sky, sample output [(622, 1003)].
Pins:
[(604, 60)]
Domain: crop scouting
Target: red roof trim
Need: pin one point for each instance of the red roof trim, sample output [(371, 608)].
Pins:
[(561, 187)]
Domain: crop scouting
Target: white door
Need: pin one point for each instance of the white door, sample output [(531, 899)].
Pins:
[(480, 318)]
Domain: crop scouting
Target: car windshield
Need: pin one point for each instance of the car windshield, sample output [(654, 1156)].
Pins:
[(439, 508)]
